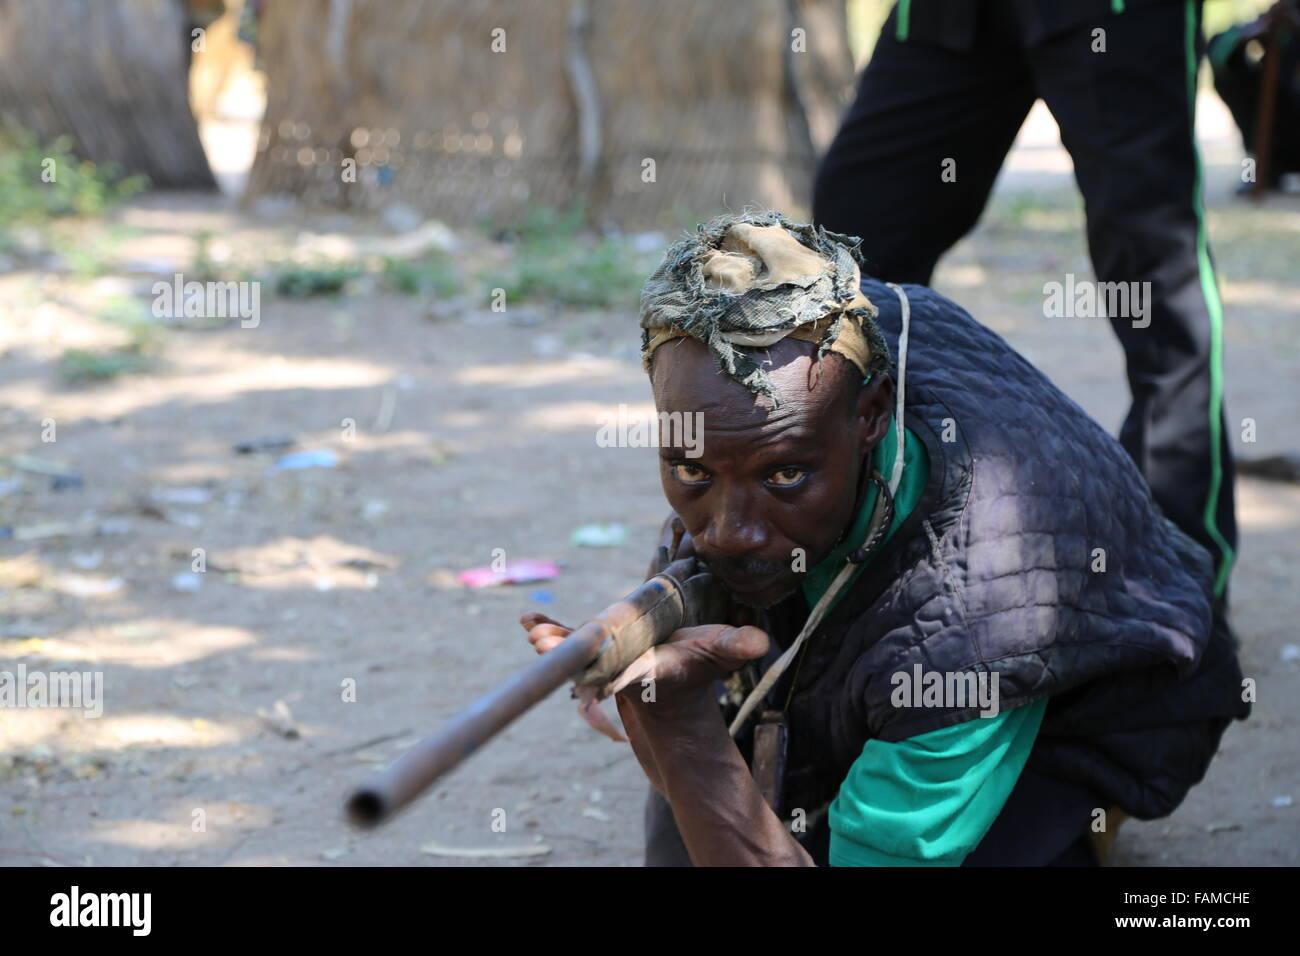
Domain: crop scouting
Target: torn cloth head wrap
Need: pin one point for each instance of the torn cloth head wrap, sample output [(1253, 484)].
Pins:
[(751, 280)]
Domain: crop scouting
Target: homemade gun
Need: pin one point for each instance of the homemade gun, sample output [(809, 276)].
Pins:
[(681, 595)]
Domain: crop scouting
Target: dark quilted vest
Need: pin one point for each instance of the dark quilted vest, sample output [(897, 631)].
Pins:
[(992, 571)]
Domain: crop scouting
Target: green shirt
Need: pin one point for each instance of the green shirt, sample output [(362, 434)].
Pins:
[(927, 800)]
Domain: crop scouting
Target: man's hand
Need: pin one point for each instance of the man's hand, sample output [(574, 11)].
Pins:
[(668, 684), (664, 697), (676, 729), (544, 634), (679, 738)]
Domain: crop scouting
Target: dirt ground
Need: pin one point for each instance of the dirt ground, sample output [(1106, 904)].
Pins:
[(472, 431)]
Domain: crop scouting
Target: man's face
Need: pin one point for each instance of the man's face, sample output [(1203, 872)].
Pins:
[(771, 483)]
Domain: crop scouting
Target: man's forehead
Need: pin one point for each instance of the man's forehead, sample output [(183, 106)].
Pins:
[(686, 378)]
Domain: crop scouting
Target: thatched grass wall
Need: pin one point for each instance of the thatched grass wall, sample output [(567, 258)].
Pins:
[(111, 74), (583, 94)]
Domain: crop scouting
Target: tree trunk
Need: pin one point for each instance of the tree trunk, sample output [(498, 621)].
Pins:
[(112, 75), (647, 111)]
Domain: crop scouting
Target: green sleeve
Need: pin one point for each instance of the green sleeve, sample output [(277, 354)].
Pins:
[(929, 800)]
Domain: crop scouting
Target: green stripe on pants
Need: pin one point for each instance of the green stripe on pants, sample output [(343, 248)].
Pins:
[(1215, 308)]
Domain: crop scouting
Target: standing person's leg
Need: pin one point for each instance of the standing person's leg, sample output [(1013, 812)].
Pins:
[(919, 111), (1126, 116)]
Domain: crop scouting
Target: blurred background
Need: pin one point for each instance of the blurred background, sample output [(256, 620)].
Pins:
[(440, 215)]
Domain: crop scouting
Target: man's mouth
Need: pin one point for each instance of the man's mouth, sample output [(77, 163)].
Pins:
[(749, 583), (761, 591), (745, 577)]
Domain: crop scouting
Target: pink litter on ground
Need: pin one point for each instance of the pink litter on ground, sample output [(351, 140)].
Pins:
[(515, 572)]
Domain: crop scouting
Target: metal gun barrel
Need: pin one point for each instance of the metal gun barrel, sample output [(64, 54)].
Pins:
[(593, 653), (417, 769)]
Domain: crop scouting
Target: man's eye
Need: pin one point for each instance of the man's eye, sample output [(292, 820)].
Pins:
[(787, 477), (690, 474)]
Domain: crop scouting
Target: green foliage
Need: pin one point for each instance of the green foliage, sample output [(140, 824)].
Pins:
[(594, 275), (305, 281), (202, 267), (144, 340), (83, 366), (556, 262), (41, 183), (433, 275), (539, 225), (145, 333), (88, 257), (543, 225)]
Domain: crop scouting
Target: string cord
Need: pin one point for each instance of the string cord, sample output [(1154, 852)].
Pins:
[(879, 522)]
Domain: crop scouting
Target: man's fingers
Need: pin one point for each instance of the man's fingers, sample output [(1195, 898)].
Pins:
[(533, 618), (545, 637), (695, 655), (644, 667), (589, 699), (729, 647), (543, 633), (747, 643)]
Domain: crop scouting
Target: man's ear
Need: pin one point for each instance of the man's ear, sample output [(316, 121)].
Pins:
[(872, 411)]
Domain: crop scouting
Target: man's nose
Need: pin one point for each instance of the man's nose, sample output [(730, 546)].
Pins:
[(734, 528)]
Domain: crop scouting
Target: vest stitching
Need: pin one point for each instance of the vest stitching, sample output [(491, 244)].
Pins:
[(948, 575)]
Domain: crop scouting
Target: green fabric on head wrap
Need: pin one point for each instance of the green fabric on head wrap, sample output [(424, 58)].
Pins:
[(734, 289)]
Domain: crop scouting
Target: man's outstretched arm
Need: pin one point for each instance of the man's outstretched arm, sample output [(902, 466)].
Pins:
[(679, 738), (720, 813)]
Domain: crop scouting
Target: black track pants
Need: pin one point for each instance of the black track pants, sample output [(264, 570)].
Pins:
[(1126, 117)]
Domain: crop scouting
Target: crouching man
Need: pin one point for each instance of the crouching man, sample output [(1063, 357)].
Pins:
[(964, 634)]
